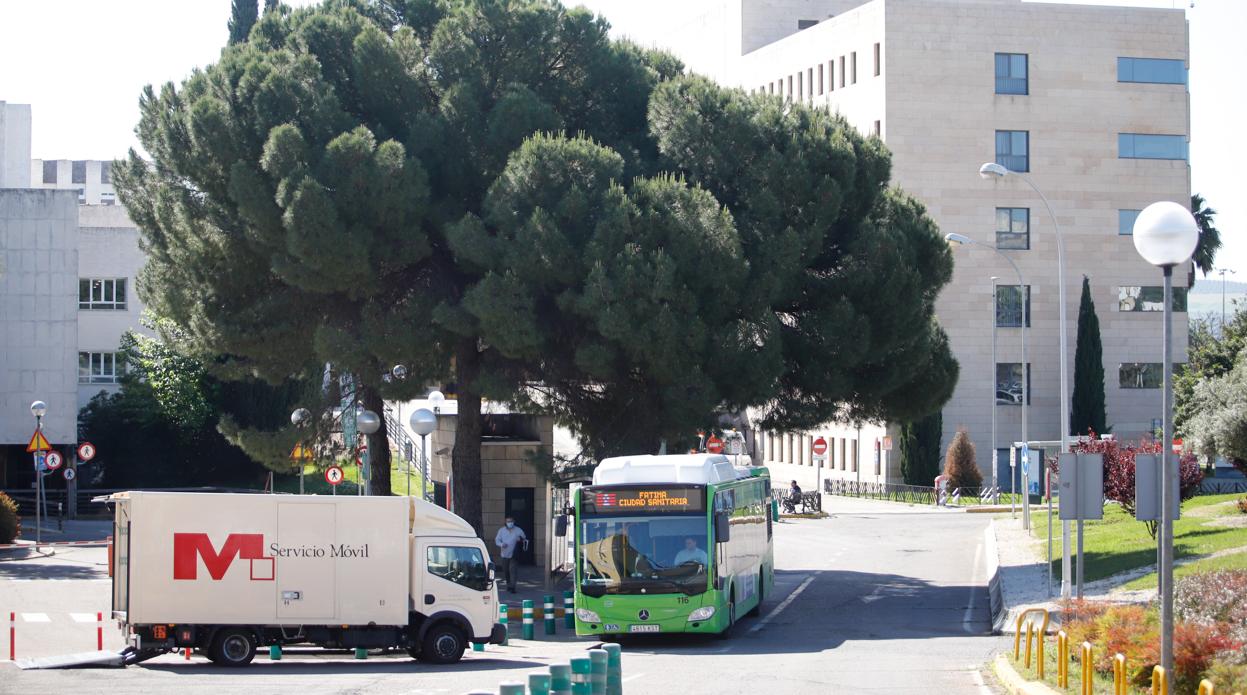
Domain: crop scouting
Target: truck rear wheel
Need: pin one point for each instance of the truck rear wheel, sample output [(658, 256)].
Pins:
[(442, 644), (232, 647)]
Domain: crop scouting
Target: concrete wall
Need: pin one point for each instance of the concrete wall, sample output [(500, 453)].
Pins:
[(850, 456), (14, 145), (38, 313), (109, 249)]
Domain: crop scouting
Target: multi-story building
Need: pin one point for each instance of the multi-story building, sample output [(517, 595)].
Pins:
[(68, 262), (1089, 102)]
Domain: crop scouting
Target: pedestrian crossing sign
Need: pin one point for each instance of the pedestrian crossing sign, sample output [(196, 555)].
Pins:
[(38, 442)]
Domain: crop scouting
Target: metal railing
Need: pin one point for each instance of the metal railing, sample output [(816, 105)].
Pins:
[(891, 492)]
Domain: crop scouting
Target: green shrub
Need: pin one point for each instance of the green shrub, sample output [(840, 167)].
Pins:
[(1228, 677), (959, 464), (1212, 598), (10, 522)]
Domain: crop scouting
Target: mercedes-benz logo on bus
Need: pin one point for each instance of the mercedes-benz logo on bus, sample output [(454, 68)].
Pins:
[(643, 614)]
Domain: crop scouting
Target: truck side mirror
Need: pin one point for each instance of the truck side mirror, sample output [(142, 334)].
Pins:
[(492, 570), (560, 526), (722, 527)]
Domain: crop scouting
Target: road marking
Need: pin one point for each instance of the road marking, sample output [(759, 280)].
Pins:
[(784, 604), (83, 617), (36, 617), (968, 617), (977, 677)]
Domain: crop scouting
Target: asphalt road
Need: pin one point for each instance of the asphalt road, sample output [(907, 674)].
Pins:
[(879, 597)]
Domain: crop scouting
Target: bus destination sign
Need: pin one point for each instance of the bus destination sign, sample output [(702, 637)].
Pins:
[(647, 500)]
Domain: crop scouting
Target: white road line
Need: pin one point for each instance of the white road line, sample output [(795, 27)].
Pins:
[(36, 617), (633, 677), (968, 617), (83, 617), (784, 604), (977, 677)]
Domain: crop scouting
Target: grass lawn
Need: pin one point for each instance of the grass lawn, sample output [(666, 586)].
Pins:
[(1102, 683), (1118, 542), (314, 481), (1237, 561)]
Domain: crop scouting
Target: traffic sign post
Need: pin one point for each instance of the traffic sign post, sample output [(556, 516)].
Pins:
[(301, 455)]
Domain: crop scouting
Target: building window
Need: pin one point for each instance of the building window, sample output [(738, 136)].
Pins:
[(843, 455), (853, 460), (771, 87), (1011, 74), (1139, 375), (1009, 306), (82, 197), (1151, 70), (878, 62), (1149, 298), (821, 91), (853, 67), (79, 172), (1009, 383), (841, 71), (94, 293), (809, 83), (1125, 221), (1013, 228), (106, 172), (831, 75), (1013, 149), (878, 129), (790, 88), (1146, 146), (108, 199), (49, 172), (100, 367), (803, 24)]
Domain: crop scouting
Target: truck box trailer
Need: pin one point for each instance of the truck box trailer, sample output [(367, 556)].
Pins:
[(228, 573)]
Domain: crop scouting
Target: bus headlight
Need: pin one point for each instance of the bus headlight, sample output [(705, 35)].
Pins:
[(700, 614), (587, 616)]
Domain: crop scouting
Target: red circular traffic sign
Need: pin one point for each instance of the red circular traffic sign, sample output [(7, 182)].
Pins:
[(86, 451), (333, 475), (53, 460), (714, 445), (819, 447)]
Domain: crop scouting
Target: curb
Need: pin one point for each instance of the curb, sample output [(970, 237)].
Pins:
[(995, 583), (1014, 682), (16, 552)]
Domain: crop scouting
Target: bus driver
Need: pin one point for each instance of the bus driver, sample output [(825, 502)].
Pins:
[(691, 553)]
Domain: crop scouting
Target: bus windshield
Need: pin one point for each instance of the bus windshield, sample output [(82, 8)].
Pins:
[(643, 555)]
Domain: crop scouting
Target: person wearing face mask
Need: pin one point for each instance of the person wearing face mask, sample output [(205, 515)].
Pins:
[(507, 539)]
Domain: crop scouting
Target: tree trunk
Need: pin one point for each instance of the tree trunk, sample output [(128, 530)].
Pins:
[(466, 457), (378, 444)]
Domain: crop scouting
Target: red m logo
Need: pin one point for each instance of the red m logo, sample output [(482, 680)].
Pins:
[(187, 547)]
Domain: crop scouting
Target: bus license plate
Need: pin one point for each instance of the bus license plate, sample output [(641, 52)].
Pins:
[(644, 628)]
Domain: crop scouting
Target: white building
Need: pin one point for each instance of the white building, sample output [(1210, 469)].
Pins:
[(68, 261), (1090, 101)]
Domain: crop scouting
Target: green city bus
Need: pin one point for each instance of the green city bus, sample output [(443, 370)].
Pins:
[(672, 544)]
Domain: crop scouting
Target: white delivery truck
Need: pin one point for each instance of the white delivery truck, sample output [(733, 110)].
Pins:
[(227, 573)]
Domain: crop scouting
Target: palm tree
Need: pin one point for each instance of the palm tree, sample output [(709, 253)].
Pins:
[(1209, 237)]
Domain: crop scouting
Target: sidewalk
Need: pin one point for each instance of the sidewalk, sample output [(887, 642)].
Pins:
[(1023, 569), (531, 587)]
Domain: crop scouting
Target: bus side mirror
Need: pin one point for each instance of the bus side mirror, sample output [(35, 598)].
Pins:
[(722, 527), (560, 526)]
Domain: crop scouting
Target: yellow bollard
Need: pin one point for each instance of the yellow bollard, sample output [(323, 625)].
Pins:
[(1030, 630), (1039, 655), (1206, 688), (1062, 659), (1119, 674), (1017, 633), (1087, 671), (1160, 681)]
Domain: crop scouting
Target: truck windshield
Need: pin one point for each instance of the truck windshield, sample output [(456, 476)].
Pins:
[(643, 555)]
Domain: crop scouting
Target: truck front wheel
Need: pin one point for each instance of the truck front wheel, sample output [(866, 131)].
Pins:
[(232, 647), (442, 644)]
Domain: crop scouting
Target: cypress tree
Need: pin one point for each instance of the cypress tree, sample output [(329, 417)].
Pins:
[(1087, 406), (242, 16), (920, 449)]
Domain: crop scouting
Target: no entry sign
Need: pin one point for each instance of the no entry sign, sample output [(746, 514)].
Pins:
[(714, 445), (819, 447)]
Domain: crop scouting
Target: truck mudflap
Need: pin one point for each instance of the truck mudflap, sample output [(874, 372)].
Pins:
[(134, 655), (497, 634)]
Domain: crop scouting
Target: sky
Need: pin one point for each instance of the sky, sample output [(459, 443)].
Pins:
[(82, 64)]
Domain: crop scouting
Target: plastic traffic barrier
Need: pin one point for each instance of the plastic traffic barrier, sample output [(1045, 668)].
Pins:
[(547, 613), (569, 610), (582, 672), (614, 668), (528, 618), (597, 671), (506, 627), (560, 679)]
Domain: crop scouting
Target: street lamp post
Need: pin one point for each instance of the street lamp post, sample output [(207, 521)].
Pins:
[(1165, 235), (992, 384), (963, 240), (299, 418), (423, 422), (987, 171), (38, 409), (1223, 271), (368, 423)]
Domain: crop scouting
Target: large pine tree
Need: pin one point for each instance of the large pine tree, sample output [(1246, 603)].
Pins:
[(1087, 406), (496, 194), (920, 449)]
